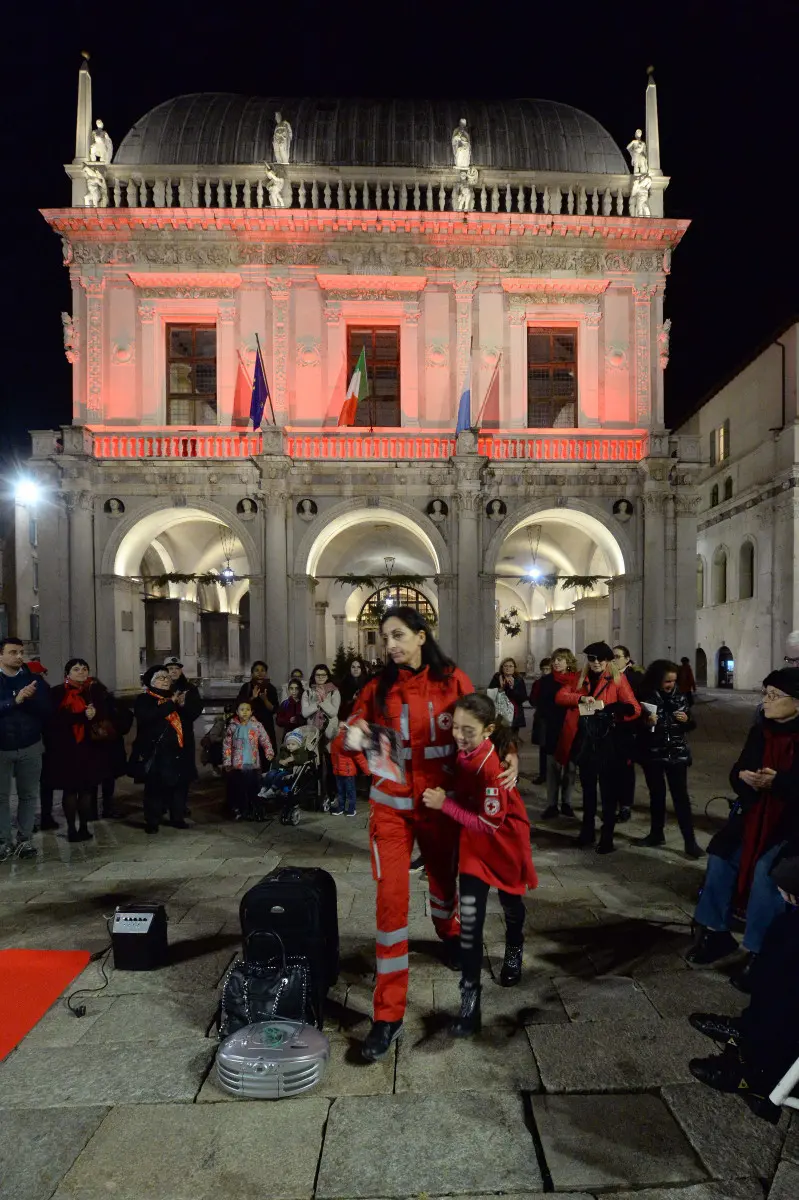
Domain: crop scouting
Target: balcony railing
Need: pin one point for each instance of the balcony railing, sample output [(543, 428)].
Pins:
[(345, 189), (356, 445)]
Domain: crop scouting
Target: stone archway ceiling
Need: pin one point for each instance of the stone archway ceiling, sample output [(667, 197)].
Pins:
[(357, 543), (567, 533), (188, 536)]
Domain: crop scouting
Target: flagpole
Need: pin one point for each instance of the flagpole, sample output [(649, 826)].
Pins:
[(263, 368), (488, 389)]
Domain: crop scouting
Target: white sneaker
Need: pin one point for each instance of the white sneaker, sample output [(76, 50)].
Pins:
[(25, 848)]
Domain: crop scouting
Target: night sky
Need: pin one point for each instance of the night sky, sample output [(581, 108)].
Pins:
[(727, 95)]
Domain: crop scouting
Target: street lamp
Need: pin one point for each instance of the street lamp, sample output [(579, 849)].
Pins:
[(27, 491)]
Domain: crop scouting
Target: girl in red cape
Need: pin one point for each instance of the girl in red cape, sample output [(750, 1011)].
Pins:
[(494, 847)]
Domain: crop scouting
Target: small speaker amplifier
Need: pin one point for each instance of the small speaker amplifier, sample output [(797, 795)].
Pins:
[(138, 937)]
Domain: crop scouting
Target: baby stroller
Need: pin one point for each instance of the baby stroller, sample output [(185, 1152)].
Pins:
[(296, 777)]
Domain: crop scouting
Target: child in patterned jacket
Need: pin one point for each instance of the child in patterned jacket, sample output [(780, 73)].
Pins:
[(243, 737)]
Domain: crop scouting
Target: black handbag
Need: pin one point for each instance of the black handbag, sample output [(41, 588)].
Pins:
[(263, 991)]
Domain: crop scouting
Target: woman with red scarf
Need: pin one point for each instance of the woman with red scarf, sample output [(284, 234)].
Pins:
[(81, 738), (741, 855), (159, 758)]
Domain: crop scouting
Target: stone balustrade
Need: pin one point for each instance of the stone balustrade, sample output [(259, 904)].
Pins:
[(346, 444), (344, 189)]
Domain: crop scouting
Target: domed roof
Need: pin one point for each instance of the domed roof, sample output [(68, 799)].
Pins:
[(209, 128)]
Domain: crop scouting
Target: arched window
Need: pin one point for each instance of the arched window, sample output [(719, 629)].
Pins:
[(746, 571), (392, 597), (700, 582), (714, 495), (728, 488), (720, 576)]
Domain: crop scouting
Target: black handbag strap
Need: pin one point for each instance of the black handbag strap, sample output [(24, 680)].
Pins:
[(261, 933)]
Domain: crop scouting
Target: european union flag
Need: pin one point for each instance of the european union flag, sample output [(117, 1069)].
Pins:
[(260, 393), (465, 405)]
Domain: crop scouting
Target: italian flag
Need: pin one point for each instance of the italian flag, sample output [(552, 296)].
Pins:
[(358, 390)]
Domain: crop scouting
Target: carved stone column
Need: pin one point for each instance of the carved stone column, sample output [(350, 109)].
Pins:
[(654, 617), (339, 620), (464, 296), (658, 410), (151, 392), (302, 639), (94, 288), (446, 632), (409, 363), (82, 629), (280, 287), (469, 506), (320, 630), (335, 383), (514, 415), (588, 369), (643, 354), (686, 507), (225, 362)]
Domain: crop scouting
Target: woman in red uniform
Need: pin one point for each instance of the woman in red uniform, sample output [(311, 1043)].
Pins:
[(415, 695), (494, 848)]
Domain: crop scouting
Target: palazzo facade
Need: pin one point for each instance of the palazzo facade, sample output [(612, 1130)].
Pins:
[(511, 244)]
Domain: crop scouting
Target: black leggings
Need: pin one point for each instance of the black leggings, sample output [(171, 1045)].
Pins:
[(77, 806), (473, 900), (676, 775)]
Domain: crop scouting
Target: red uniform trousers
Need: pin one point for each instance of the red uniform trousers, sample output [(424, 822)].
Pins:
[(392, 833)]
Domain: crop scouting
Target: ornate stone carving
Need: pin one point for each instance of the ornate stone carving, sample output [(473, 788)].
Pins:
[(332, 313), (637, 152), (664, 334), (469, 501), (461, 146), (94, 286), (489, 356), (616, 358), (281, 140), (687, 505), (124, 353), (592, 319), (639, 196), (437, 354), (101, 149), (642, 357), (66, 251), (654, 503), (96, 187), (146, 313), (546, 299), (463, 192), (71, 340), (411, 313), (275, 187), (225, 315), (309, 352), (187, 293), (464, 292), (280, 288)]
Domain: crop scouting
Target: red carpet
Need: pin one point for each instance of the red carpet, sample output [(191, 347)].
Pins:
[(30, 981)]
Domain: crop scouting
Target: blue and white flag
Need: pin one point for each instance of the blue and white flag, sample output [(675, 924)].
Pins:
[(465, 404)]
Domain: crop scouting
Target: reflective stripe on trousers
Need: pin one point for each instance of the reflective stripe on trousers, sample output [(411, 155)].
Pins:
[(402, 803)]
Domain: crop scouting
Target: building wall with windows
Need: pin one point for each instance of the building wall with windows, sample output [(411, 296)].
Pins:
[(748, 524), (528, 275)]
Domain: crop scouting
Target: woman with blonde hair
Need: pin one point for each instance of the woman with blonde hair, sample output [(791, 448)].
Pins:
[(560, 777)]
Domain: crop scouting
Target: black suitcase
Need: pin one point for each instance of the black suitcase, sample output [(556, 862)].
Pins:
[(299, 904)]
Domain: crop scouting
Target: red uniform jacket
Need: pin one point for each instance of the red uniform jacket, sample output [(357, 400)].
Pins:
[(570, 696), (495, 838), (420, 709)]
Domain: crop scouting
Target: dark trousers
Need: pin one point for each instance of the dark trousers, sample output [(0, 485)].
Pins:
[(473, 900), (160, 798), (46, 799), (626, 784), (606, 777), (657, 775), (770, 1034), (242, 790)]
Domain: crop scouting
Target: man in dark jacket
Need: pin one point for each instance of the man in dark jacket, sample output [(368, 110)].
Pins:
[(190, 705), (24, 707)]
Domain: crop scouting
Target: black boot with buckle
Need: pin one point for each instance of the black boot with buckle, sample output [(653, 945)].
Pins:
[(468, 1020), (511, 971)]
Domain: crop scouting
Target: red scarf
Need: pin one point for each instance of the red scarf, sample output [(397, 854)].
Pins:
[(76, 699), (172, 718), (763, 819)]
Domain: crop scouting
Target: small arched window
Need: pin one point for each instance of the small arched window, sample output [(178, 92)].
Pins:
[(720, 576), (728, 488), (700, 582), (714, 495), (746, 571)]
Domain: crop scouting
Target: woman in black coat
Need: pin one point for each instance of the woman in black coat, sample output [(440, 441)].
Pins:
[(664, 753), (160, 757), (82, 741), (513, 685), (261, 694)]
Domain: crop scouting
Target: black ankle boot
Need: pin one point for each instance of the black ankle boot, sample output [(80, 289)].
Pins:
[(511, 971), (712, 946), (468, 1020), (380, 1039)]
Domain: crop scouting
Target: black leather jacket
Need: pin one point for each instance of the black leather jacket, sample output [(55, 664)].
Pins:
[(665, 743)]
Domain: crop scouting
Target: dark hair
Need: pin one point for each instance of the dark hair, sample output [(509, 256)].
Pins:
[(625, 649), (482, 707), (75, 662), (433, 656), (259, 662), (10, 641), (654, 676), (511, 659), (545, 662), (294, 683), (298, 671), (319, 667), (684, 659), (147, 677)]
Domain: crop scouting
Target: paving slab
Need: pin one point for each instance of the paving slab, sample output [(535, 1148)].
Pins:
[(791, 1148), (366, 1150), (60, 1027), (612, 1141), (197, 964), (614, 1056), (729, 1139), (727, 1189), (36, 1151), (149, 1019), (680, 993), (55, 1077), (204, 1152), (786, 1182), (606, 998), (429, 1061)]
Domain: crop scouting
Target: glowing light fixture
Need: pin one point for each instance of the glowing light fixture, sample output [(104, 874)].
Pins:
[(27, 491)]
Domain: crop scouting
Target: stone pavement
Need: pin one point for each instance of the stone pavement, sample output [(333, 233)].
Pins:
[(579, 1083)]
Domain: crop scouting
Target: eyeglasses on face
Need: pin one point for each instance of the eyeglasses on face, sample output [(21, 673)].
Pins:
[(593, 658), (794, 662), (770, 694)]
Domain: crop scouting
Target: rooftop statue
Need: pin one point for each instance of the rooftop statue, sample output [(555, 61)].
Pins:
[(463, 194), (102, 148), (96, 187), (274, 186), (639, 196), (637, 151), (461, 145), (281, 140)]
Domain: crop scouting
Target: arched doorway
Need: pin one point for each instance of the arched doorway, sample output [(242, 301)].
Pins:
[(181, 575), (726, 668), (378, 604), (701, 667)]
